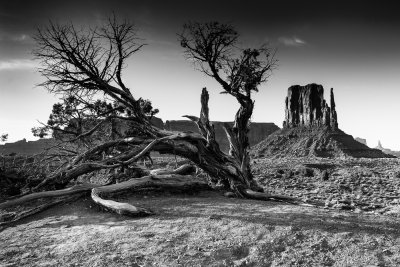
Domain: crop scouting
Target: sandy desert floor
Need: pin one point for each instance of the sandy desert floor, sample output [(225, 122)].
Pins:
[(205, 229), (208, 229)]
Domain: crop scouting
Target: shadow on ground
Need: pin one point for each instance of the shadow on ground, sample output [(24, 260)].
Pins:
[(214, 206), (204, 229)]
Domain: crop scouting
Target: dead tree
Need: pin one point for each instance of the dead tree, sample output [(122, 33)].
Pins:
[(212, 48), (86, 64)]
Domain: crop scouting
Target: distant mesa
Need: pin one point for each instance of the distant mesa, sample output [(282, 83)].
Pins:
[(311, 129), (361, 140), (387, 150), (258, 132), (23, 147), (380, 147)]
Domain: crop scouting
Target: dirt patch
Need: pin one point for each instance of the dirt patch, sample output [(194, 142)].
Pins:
[(205, 229)]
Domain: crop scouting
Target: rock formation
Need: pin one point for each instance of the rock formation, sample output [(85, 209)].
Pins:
[(23, 147), (311, 129), (380, 147), (306, 106), (333, 115), (387, 150), (258, 132), (361, 140)]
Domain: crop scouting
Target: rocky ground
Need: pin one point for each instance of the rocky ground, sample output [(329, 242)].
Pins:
[(204, 229), (356, 225), (353, 184)]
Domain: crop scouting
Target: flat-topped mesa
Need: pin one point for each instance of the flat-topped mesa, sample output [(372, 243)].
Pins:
[(306, 106)]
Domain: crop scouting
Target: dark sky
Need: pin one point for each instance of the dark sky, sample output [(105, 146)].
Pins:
[(352, 46)]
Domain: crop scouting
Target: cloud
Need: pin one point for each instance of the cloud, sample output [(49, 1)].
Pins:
[(16, 38), (292, 41), (17, 64), (20, 38)]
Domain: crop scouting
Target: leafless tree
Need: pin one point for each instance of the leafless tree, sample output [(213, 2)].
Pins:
[(212, 48), (82, 65)]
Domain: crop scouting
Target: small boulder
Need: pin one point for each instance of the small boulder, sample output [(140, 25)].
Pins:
[(229, 194), (324, 176), (288, 174), (306, 172)]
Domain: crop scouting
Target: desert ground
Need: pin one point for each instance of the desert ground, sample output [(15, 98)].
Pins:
[(355, 225)]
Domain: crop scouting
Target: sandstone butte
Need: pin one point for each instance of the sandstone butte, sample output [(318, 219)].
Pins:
[(311, 128)]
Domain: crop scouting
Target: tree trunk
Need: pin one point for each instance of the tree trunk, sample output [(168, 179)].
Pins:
[(231, 171), (162, 179), (239, 141), (170, 181)]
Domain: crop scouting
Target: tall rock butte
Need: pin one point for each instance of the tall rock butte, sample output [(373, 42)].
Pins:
[(306, 106), (311, 129)]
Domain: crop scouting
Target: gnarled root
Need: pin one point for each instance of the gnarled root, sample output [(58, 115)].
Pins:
[(48, 194), (248, 193), (170, 181), (166, 181), (185, 169), (16, 216)]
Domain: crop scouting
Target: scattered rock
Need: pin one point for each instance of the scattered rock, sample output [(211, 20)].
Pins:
[(229, 194), (324, 175), (288, 174), (353, 184), (305, 172), (215, 217)]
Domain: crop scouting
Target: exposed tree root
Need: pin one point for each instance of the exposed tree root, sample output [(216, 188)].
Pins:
[(170, 181), (182, 170), (157, 181), (166, 181), (267, 197), (14, 217), (48, 194), (185, 169)]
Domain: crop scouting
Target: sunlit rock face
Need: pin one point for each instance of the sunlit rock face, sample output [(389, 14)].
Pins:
[(306, 106)]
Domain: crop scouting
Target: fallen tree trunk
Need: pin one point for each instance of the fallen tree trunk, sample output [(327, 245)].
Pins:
[(48, 194), (185, 169), (14, 217), (185, 183), (171, 181), (202, 149), (267, 197), (182, 170)]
